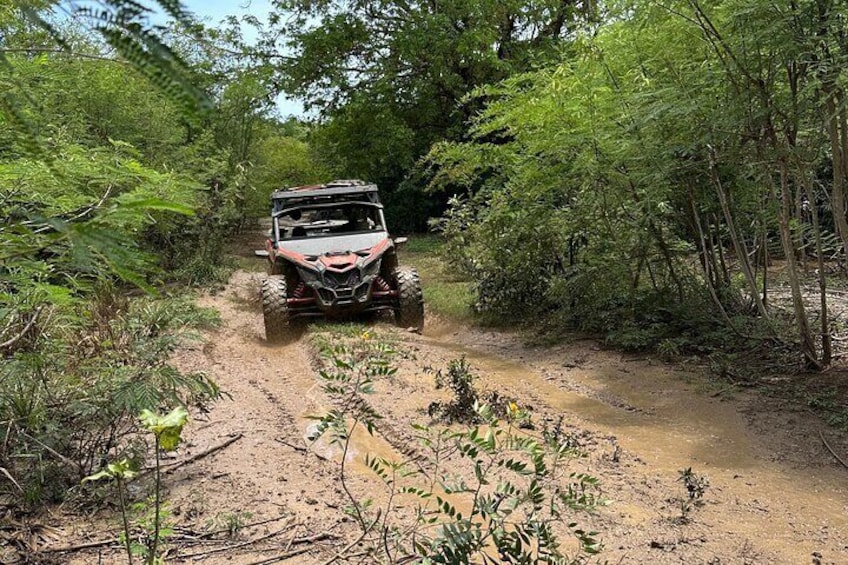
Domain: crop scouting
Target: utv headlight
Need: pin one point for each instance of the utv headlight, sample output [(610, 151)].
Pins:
[(308, 276)]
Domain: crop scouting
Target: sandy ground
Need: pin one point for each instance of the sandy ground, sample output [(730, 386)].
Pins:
[(775, 494)]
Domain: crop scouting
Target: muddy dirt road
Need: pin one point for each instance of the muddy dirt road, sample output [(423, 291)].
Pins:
[(775, 494)]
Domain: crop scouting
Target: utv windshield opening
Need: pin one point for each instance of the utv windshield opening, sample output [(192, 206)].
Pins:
[(323, 220)]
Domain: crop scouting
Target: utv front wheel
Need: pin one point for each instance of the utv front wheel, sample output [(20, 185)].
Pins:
[(410, 308), (275, 309)]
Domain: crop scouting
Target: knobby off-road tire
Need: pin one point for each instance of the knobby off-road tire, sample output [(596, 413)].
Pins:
[(275, 309), (410, 310)]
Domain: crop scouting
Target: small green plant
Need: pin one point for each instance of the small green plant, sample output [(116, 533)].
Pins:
[(830, 404), (517, 500), (460, 381), (555, 436), (670, 348), (146, 518), (121, 472), (230, 523), (696, 486), (347, 379), (167, 432), (512, 496)]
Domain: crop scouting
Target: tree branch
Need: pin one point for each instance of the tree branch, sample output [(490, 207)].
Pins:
[(57, 51)]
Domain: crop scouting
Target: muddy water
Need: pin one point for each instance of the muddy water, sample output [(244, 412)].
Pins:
[(658, 417), (362, 446)]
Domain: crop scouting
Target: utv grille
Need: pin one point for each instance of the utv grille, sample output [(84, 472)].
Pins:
[(340, 280)]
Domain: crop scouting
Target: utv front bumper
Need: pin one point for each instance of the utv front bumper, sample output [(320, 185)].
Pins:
[(334, 293)]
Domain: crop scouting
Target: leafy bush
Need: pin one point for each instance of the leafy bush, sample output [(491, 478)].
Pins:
[(70, 397)]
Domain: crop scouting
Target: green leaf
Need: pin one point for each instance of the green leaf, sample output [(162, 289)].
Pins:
[(123, 469), (168, 428), (156, 204)]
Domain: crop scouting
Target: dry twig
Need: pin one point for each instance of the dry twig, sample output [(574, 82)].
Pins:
[(832, 452), (281, 557), (81, 546), (236, 546), (14, 339), (174, 466), (299, 448)]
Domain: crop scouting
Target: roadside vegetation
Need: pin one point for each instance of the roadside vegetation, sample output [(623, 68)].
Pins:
[(128, 157), (447, 293), (572, 171), (650, 195)]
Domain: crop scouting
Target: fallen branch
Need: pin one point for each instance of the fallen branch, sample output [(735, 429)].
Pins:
[(291, 540), (296, 552), (199, 536), (12, 341), (316, 537), (116, 541), (281, 557), (81, 546), (723, 390), (832, 452), (236, 546), (53, 452), (10, 477), (174, 466), (293, 446), (348, 547)]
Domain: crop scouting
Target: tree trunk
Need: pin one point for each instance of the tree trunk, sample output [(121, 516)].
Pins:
[(827, 349), (709, 268), (738, 244), (808, 344), (837, 193)]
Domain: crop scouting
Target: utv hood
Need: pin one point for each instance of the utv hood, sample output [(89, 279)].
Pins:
[(317, 246)]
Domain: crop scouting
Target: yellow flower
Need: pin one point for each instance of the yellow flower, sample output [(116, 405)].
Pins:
[(366, 335), (513, 408)]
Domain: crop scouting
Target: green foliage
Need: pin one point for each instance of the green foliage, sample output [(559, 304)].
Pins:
[(519, 508), (619, 190), (447, 291), (281, 162), (513, 496), (71, 390), (464, 406), (391, 78), (696, 486), (459, 380), (123, 470), (166, 430), (830, 403)]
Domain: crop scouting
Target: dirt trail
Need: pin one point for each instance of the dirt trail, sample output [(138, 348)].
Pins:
[(775, 494)]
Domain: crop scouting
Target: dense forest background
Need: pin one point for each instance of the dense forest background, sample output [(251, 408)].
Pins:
[(665, 174)]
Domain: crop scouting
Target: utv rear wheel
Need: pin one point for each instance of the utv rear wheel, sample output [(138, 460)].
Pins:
[(410, 309), (275, 309)]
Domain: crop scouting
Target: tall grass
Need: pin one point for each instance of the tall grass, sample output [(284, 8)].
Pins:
[(446, 293)]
